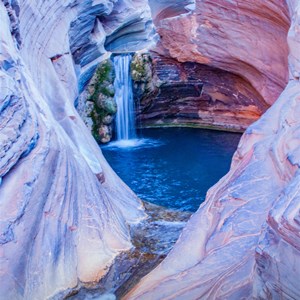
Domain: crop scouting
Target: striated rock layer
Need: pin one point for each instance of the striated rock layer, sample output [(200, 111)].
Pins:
[(191, 94), (243, 242), (247, 38), (64, 214), (217, 64)]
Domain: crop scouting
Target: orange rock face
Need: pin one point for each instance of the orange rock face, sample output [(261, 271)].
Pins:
[(247, 38)]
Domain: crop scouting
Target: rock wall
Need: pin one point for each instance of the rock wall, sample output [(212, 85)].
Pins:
[(242, 37), (220, 61), (110, 26), (115, 26), (129, 27), (191, 94), (243, 242), (64, 213)]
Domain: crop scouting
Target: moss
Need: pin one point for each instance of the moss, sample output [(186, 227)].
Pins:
[(102, 78), (140, 67), (109, 107), (103, 72), (106, 92), (138, 71), (93, 116), (97, 116), (192, 125), (102, 94)]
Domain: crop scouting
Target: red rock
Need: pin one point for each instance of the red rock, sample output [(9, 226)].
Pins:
[(191, 94), (244, 241), (247, 38)]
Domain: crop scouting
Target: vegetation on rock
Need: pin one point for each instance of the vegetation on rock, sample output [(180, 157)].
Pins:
[(104, 108), (141, 70), (142, 76)]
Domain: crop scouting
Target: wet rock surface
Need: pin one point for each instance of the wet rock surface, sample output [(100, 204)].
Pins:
[(97, 106), (152, 239)]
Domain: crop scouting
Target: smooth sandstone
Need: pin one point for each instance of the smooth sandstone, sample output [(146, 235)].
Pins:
[(243, 242), (64, 213)]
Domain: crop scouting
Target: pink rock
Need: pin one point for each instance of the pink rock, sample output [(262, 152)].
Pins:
[(61, 224), (244, 241), (191, 94), (247, 38)]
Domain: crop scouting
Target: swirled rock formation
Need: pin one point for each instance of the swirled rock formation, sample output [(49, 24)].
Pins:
[(64, 214), (243, 242)]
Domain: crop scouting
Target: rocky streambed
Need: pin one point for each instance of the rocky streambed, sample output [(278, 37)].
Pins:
[(152, 239)]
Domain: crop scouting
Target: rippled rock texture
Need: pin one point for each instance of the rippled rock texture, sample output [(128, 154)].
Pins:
[(153, 239), (243, 242), (64, 214)]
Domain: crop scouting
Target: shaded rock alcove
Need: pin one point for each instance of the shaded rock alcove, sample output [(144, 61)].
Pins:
[(170, 93)]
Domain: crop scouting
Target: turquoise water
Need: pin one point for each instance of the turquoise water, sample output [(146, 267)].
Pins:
[(173, 167)]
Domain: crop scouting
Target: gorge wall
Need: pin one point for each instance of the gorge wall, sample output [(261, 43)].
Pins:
[(246, 38), (243, 242), (217, 68), (224, 72), (64, 213), (191, 94), (217, 64)]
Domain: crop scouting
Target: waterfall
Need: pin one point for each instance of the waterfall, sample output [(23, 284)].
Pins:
[(125, 120)]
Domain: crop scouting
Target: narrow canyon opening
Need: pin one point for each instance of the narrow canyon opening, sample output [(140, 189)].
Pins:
[(168, 123), (170, 162), (173, 164), (119, 121)]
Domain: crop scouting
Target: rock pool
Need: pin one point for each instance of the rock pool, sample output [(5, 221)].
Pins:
[(173, 167)]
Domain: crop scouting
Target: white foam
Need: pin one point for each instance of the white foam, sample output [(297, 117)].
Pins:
[(133, 143)]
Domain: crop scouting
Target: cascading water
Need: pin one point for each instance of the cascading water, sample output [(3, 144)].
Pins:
[(125, 120)]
